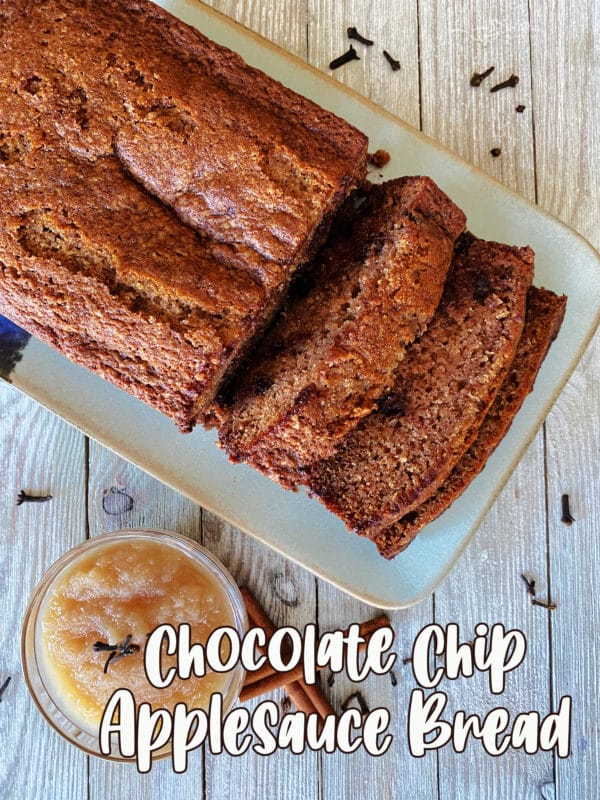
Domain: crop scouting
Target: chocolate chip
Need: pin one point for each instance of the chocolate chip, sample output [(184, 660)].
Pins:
[(392, 404), (33, 84), (261, 384), (483, 288)]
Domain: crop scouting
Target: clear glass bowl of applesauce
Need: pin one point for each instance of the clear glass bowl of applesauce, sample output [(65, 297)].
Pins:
[(86, 625)]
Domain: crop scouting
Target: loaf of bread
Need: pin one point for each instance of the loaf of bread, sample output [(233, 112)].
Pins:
[(336, 348), (545, 312), (82, 259), (400, 454), (120, 91)]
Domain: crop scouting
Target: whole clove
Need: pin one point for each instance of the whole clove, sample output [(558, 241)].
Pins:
[(496, 151), (354, 34), (124, 648), (392, 404), (286, 704), (477, 78), (393, 678), (508, 83), (25, 497), (530, 583), (4, 687), (566, 517), (349, 55), (544, 604), (520, 108), (394, 64), (261, 385), (362, 703)]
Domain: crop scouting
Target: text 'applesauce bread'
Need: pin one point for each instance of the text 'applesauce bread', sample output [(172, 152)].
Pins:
[(400, 454), (545, 312), (256, 170), (336, 348)]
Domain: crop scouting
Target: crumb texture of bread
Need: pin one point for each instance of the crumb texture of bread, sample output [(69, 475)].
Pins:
[(337, 345), (248, 175), (400, 454), (545, 312)]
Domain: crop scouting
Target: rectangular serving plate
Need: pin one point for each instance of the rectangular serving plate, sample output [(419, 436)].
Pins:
[(293, 524)]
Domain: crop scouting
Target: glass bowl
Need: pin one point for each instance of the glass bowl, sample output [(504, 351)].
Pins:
[(35, 656)]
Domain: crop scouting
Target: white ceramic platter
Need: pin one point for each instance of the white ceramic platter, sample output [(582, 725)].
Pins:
[(290, 523)]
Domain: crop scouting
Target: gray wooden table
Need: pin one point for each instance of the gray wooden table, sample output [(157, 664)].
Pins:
[(550, 154)]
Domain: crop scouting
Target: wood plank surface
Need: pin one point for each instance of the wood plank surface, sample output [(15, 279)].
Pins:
[(42, 455), (456, 41), (565, 48), (551, 154)]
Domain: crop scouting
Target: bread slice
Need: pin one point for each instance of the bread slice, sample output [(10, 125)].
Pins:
[(545, 312), (336, 348), (399, 455)]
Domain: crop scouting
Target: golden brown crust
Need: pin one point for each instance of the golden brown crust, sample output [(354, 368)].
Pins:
[(83, 266), (335, 350), (545, 312), (255, 169), (400, 455), (236, 155)]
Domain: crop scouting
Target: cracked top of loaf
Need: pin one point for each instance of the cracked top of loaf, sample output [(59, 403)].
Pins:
[(136, 98)]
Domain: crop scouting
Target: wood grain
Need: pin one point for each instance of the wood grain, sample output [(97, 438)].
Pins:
[(456, 40), (565, 57), (393, 26), (43, 454)]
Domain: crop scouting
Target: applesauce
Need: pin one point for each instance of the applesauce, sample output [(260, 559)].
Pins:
[(86, 628)]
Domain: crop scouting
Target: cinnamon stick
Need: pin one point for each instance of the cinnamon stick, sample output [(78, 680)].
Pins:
[(300, 698), (322, 705), (306, 698), (267, 670), (256, 612)]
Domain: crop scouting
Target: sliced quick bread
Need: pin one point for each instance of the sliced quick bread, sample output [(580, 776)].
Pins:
[(400, 454), (545, 312), (336, 348)]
